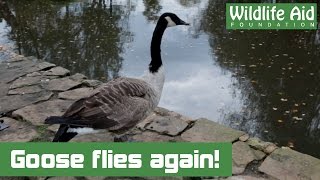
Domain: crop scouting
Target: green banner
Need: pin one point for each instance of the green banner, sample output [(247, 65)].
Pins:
[(115, 159), (271, 16)]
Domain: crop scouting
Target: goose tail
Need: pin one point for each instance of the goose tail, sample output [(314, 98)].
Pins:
[(62, 135)]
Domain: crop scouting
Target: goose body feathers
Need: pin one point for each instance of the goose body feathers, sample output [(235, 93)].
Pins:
[(116, 106)]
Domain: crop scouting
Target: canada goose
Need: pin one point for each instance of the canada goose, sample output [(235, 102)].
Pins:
[(121, 103)]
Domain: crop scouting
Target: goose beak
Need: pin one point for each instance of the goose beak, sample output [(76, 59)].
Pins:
[(184, 23)]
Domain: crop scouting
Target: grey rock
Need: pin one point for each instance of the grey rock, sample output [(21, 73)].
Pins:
[(163, 178), (246, 177), (92, 83), (165, 112), (76, 93), (41, 66), (53, 128), (244, 137), (78, 77), (148, 136), (11, 178), (103, 136), (98, 178), (17, 58), (270, 148), (258, 154), (25, 90), (142, 125), (208, 131), (4, 88), (266, 147), (62, 178), (167, 125), (29, 81), (11, 71), (56, 71), (290, 164), (62, 84), (25, 81), (36, 114), (17, 132), (241, 156), (33, 74), (237, 169), (10, 103)]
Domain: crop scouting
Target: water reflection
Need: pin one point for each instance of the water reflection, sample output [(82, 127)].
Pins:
[(263, 82), (84, 37), (277, 72), (152, 9)]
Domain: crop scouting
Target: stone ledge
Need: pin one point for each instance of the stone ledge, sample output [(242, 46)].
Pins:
[(285, 163), (205, 130)]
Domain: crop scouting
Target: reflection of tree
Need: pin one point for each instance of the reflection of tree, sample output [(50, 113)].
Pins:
[(189, 3), (277, 72), (152, 8), (83, 37)]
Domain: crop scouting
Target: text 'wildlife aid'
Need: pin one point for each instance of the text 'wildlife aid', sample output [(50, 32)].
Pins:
[(271, 16)]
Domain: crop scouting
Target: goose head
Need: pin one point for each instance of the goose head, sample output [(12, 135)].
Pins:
[(172, 20)]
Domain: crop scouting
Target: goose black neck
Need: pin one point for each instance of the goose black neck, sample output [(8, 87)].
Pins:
[(156, 61)]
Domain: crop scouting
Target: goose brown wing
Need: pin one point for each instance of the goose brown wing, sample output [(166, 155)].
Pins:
[(120, 103)]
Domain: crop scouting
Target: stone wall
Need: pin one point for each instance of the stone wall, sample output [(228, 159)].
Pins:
[(31, 90)]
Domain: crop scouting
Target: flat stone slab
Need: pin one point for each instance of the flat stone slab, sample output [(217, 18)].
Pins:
[(165, 112), (25, 81), (56, 71), (62, 84), (246, 177), (11, 71), (33, 74), (41, 66), (17, 131), (92, 83), (62, 178), (258, 144), (205, 130), (76, 93), (16, 58), (167, 125), (11, 103), (285, 163), (25, 90), (103, 136), (242, 155), (148, 136), (4, 88), (258, 154), (142, 125), (30, 80), (36, 114), (78, 77)]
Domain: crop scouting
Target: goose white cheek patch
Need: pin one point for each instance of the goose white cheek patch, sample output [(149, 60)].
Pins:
[(170, 22)]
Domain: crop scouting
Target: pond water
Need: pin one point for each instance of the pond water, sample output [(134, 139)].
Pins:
[(266, 83)]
